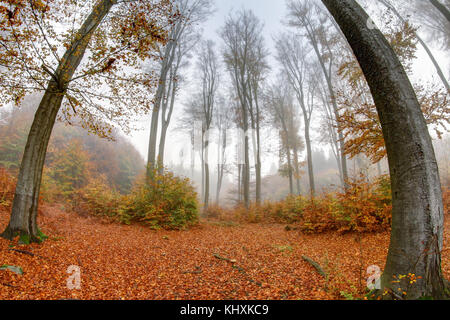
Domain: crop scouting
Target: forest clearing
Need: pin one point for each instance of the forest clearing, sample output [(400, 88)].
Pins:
[(224, 150), (133, 262)]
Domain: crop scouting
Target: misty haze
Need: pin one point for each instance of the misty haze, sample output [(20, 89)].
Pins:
[(224, 150)]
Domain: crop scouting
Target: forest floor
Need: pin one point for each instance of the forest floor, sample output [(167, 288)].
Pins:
[(133, 262)]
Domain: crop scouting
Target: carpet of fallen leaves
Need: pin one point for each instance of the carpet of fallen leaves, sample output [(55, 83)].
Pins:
[(133, 262)]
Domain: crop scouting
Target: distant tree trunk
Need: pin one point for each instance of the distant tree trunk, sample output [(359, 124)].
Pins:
[(166, 115), (162, 144), (443, 9), (258, 149), (239, 184), (297, 170), (289, 161), (221, 149), (154, 131), (219, 182), (422, 43), (206, 170), (202, 153), (379, 168), (258, 163), (25, 203), (246, 174), (312, 187), (417, 214), (159, 96), (206, 200), (192, 155), (327, 74)]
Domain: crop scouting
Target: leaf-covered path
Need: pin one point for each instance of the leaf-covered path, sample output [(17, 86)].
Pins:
[(211, 261)]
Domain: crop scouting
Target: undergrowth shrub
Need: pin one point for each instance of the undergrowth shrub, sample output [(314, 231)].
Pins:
[(96, 198), (286, 211), (446, 199), (168, 202), (363, 207)]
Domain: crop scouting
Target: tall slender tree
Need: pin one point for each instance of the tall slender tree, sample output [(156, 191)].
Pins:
[(209, 73), (293, 56), (306, 15), (35, 65), (188, 13), (244, 55)]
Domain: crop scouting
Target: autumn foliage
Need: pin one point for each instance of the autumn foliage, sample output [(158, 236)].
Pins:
[(363, 207), (7, 185), (166, 201)]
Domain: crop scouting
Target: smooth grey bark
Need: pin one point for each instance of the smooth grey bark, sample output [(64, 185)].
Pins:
[(221, 149), (443, 9), (423, 44), (289, 161), (417, 213), (25, 204), (258, 148), (311, 33), (242, 38), (297, 170), (284, 117), (167, 111), (246, 167), (168, 58), (333, 136), (327, 74), (293, 56), (312, 186), (206, 200)]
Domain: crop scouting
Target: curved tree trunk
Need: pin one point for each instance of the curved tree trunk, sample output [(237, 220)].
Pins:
[(25, 204), (417, 214)]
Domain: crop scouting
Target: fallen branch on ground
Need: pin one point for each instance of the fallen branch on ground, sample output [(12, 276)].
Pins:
[(315, 265), (235, 266)]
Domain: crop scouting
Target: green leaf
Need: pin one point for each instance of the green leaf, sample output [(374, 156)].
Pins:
[(15, 269)]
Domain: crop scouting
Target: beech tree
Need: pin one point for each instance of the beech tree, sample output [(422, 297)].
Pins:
[(279, 102), (118, 35), (174, 83), (188, 14), (417, 213), (244, 56), (223, 124), (293, 56), (307, 16), (209, 73)]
